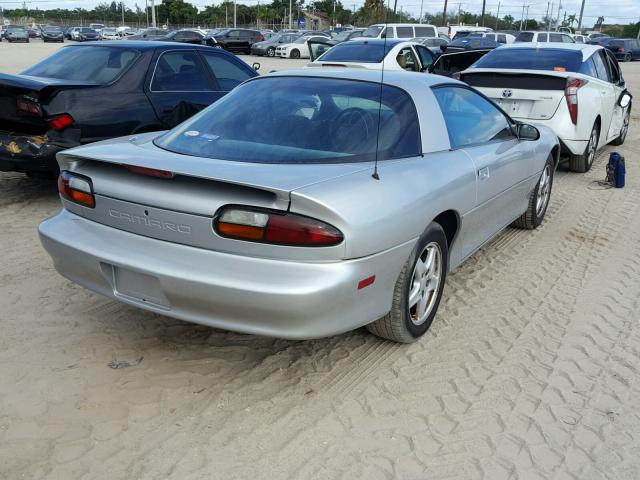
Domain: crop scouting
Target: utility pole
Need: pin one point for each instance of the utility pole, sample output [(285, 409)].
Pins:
[(226, 15), (484, 4), (549, 19), (122, 4), (291, 12), (546, 15), (146, 11), (558, 17), (522, 17), (498, 16), (421, 5), (153, 13), (444, 14), (580, 19), (459, 12), (235, 11), (526, 18), (334, 13)]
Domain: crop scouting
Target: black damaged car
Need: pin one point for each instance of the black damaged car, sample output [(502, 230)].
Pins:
[(96, 91)]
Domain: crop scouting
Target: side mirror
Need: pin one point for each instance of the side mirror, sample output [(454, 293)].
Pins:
[(256, 66), (625, 99), (527, 132)]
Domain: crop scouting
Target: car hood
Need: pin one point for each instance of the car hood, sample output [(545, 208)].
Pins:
[(140, 151)]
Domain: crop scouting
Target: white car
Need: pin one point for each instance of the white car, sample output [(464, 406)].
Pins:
[(542, 37), (580, 38), (372, 54), (577, 90), (109, 34), (452, 30), (400, 30), (298, 48)]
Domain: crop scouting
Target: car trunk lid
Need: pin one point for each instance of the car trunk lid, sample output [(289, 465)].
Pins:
[(33, 93), (181, 208), (531, 95)]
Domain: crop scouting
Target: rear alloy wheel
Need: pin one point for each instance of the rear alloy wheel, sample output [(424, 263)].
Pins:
[(271, 52), (627, 58), (539, 200), (418, 290), (295, 53), (582, 163), (624, 129)]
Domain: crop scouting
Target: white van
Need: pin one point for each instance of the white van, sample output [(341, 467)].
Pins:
[(400, 30)]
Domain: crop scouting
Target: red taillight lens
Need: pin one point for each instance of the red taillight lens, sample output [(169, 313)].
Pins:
[(261, 38), (277, 228), (152, 172), (61, 122), (28, 106), (76, 188), (571, 95)]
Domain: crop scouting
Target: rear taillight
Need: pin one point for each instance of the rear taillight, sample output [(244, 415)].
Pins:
[(279, 228), (60, 122), (29, 106), (571, 95), (76, 188), (261, 38)]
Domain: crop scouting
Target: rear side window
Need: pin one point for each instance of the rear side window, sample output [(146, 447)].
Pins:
[(532, 59), (302, 120), (555, 37), (425, 32), (405, 32), (601, 68), (525, 37), (179, 71), (100, 65), (589, 68), (470, 118), (543, 37), (228, 74)]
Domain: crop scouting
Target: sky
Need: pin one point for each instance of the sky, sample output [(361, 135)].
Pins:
[(622, 11)]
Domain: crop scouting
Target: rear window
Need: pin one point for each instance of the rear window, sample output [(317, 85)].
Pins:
[(524, 37), (532, 59), (100, 65), (373, 31), (357, 52), (425, 32), (302, 120)]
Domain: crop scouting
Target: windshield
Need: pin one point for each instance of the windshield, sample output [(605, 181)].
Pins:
[(16, 29), (373, 31), (94, 64), (52, 29), (359, 52), (524, 37), (87, 30), (532, 59), (301, 120), (342, 36)]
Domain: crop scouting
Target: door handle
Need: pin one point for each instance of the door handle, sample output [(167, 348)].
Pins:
[(483, 173)]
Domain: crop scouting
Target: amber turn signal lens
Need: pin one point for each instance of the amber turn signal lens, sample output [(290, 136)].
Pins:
[(76, 188), (242, 232)]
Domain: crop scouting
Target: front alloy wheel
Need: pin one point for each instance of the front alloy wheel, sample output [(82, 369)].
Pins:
[(271, 52)]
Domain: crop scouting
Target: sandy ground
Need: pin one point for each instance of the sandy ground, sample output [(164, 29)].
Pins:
[(529, 372)]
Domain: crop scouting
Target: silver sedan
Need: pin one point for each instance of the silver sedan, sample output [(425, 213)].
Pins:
[(303, 204)]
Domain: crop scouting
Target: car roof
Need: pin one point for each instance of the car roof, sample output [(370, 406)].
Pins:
[(586, 49), (377, 41), (143, 45), (402, 79)]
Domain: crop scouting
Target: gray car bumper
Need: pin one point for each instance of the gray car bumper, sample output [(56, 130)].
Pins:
[(278, 298)]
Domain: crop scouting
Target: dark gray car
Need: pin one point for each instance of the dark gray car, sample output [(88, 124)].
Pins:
[(268, 47)]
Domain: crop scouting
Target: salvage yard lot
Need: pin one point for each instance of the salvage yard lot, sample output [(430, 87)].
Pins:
[(530, 370)]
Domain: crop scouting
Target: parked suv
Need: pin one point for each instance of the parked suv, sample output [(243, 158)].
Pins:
[(400, 30), (536, 37), (234, 39), (625, 49)]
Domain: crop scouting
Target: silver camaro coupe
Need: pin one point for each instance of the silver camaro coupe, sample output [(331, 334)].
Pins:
[(303, 204)]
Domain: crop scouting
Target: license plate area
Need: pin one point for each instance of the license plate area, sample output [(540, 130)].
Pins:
[(138, 287)]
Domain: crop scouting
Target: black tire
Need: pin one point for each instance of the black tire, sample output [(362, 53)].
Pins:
[(295, 53), (399, 325), (582, 163), (627, 58), (534, 215), (619, 140), (271, 52)]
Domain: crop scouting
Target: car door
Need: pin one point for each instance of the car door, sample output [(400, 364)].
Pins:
[(425, 56), (233, 40), (619, 86), (505, 173), (607, 93), (180, 85)]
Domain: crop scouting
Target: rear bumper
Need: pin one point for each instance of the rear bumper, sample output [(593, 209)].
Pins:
[(288, 299), (28, 153)]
